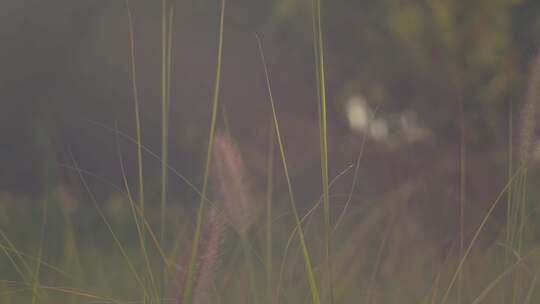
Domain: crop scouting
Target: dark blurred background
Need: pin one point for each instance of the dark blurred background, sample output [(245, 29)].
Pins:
[(404, 76)]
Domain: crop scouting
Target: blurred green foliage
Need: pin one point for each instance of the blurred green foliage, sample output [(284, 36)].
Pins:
[(438, 59)]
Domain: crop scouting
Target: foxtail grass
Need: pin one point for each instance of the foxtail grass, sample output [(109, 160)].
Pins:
[(209, 253), (232, 184), (235, 197)]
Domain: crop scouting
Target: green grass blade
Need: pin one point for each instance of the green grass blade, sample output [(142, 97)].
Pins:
[(202, 203), (269, 193), (307, 258), (321, 87), (166, 61), (135, 93)]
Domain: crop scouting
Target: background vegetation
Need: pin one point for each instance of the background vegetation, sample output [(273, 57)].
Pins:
[(243, 152)]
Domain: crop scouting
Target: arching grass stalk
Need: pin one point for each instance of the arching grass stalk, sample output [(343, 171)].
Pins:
[(135, 92), (462, 186), (321, 94), (307, 258), (187, 292), (269, 193), (141, 233), (510, 167)]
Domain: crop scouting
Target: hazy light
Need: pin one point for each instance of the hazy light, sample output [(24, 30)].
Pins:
[(411, 129), (357, 114), (379, 129)]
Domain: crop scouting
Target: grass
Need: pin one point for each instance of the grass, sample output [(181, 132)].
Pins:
[(186, 293), (141, 229), (305, 251), (112, 252), (323, 137)]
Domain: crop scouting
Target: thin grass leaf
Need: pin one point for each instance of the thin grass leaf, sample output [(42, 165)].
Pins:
[(307, 257), (187, 293), (321, 86)]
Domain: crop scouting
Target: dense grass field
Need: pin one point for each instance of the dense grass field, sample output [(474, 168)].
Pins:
[(231, 242)]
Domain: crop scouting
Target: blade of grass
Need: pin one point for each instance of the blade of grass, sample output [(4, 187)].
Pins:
[(164, 112), (202, 203), (135, 93), (166, 61), (136, 106), (321, 86), (307, 258), (269, 192), (462, 185), (510, 188)]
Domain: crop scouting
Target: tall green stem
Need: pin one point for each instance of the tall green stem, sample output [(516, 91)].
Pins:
[(187, 293)]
